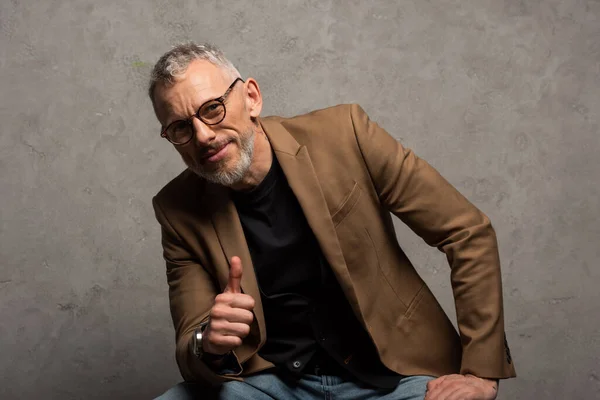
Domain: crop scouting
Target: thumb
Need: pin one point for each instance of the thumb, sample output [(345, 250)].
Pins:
[(235, 276)]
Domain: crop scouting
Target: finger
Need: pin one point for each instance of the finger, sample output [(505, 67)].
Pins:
[(229, 314), (235, 329), (438, 381), (435, 382), (454, 388), (462, 393), (233, 300), (235, 276), (244, 301), (440, 391), (241, 316), (224, 343)]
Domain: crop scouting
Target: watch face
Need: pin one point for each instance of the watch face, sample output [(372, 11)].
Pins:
[(197, 342)]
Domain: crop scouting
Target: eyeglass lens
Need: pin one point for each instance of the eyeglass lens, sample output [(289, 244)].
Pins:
[(210, 113)]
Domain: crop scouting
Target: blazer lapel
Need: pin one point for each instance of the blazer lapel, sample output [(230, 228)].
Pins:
[(302, 178), (229, 231)]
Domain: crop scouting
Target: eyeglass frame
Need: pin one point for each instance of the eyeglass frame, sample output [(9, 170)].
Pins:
[(189, 120)]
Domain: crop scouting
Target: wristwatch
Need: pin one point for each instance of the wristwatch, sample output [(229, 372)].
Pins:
[(197, 339)]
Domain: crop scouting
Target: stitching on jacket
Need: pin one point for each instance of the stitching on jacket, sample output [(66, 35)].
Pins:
[(381, 270), (347, 205), (415, 302)]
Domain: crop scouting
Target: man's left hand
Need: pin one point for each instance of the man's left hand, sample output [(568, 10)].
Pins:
[(461, 387)]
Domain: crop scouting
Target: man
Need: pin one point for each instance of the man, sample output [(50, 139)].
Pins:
[(286, 279)]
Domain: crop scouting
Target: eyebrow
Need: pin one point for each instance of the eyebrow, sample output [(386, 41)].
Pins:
[(170, 110)]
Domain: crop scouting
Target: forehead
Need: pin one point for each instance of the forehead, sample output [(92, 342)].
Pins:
[(201, 81)]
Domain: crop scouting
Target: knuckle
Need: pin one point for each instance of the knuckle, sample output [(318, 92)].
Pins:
[(223, 298), (220, 312), (212, 338), (215, 313), (249, 318), (217, 326), (245, 330)]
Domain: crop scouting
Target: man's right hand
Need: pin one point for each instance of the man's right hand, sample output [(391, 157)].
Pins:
[(231, 315)]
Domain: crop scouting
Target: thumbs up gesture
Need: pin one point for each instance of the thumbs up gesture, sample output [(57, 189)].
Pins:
[(230, 316)]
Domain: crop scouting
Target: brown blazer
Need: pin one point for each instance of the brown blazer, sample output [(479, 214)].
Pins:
[(348, 175)]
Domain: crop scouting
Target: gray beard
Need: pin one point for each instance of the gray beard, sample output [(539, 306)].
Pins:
[(237, 173)]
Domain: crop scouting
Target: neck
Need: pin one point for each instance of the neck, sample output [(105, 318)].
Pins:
[(261, 162)]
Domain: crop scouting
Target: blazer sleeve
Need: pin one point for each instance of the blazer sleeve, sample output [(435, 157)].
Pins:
[(191, 296), (417, 194)]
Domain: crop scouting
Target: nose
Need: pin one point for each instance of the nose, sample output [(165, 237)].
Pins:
[(203, 133)]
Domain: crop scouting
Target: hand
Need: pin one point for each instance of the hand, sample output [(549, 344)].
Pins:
[(231, 315), (461, 387)]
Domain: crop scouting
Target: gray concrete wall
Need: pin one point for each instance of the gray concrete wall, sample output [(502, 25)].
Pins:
[(502, 96)]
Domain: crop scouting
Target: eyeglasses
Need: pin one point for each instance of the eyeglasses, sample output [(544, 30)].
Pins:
[(211, 112)]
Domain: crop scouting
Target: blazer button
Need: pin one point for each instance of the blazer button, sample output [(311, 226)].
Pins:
[(296, 364)]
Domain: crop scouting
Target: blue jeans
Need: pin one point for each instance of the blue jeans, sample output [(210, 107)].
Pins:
[(269, 386)]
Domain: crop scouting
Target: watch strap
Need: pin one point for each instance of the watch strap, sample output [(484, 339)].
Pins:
[(197, 339)]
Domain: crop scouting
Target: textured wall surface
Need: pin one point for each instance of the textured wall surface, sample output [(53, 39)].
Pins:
[(502, 96)]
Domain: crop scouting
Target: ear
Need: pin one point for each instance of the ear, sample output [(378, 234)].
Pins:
[(254, 101)]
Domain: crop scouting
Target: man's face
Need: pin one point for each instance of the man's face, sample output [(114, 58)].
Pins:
[(220, 153)]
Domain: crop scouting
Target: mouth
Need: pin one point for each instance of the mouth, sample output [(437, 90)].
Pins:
[(215, 155)]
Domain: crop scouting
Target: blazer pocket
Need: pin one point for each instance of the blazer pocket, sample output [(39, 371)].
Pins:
[(413, 304), (346, 205)]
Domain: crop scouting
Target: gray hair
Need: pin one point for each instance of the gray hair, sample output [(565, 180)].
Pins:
[(175, 62)]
